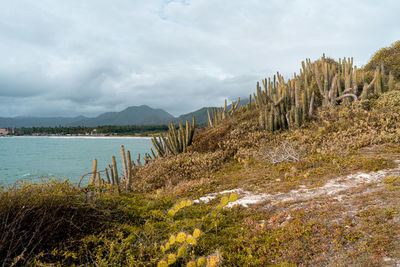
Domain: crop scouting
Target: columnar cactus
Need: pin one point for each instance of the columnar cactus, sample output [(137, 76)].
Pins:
[(176, 141), (219, 114), (94, 171), (286, 104), (391, 82)]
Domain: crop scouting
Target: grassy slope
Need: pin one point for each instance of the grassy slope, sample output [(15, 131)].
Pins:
[(314, 210), (357, 225)]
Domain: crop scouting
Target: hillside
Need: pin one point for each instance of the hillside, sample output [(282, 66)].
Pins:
[(135, 115), (200, 115), (307, 174)]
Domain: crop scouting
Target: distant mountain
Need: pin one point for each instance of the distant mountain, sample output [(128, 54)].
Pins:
[(135, 115), (200, 115)]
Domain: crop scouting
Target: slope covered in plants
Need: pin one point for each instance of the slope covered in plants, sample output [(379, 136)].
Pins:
[(306, 174)]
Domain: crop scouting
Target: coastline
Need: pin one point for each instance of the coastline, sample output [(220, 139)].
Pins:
[(81, 136)]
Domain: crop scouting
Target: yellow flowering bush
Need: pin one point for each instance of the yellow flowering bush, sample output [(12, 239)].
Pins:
[(171, 259), (186, 240), (181, 237)]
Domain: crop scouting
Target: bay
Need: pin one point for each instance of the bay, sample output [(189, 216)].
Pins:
[(34, 158)]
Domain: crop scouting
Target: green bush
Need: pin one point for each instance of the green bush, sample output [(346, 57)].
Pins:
[(389, 102), (143, 233), (389, 57)]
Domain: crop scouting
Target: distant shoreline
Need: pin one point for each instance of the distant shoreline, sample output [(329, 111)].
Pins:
[(80, 136)]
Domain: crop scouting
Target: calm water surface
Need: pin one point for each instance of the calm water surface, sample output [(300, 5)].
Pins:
[(62, 157)]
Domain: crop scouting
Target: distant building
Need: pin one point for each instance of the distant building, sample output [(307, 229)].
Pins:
[(5, 131)]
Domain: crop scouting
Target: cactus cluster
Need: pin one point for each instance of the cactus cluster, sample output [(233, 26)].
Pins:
[(111, 173), (219, 114), (378, 84), (96, 175), (130, 167), (321, 83), (176, 141)]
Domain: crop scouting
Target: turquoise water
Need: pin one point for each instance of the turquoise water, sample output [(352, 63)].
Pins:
[(62, 157)]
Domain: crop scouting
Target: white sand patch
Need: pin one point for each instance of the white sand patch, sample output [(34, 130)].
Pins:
[(209, 197), (248, 199), (230, 191), (205, 199), (395, 262), (335, 188)]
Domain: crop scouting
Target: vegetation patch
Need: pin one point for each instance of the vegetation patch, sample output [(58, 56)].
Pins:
[(389, 57), (37, 217), (329, 126), (393, 182)]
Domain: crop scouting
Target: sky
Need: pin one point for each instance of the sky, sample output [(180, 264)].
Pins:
[(85, 57)]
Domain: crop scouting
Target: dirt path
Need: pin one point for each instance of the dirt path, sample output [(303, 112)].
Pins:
[(347, 191), (336, 188)]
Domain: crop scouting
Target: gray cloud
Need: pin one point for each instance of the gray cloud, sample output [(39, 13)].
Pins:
[(91, 56)]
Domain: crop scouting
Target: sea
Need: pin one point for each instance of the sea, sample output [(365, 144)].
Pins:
[(38, 158)]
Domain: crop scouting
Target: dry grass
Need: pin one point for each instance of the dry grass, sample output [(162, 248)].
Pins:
[(36, 217), (358, 225), (168, 172)]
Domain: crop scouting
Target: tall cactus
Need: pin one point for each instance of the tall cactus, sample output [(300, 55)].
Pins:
[(94, 171), (217, 115), (124, 163), (391, 82), (286, 104), (176, 141), (378, 84)]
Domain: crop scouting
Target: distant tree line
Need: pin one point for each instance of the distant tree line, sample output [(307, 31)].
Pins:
[(103, 130)]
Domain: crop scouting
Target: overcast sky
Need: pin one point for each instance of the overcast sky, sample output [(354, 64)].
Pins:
[(86, 57)]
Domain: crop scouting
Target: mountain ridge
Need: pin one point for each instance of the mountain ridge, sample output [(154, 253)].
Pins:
[(142, 115)]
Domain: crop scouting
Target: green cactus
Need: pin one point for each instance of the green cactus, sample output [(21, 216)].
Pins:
[(391, 82), (284, 104), (112, 175), (107, 176), (124, 163), (377, 84), (115, 170), (294, 101), (209, 118), (129, 166), (217, 115), (94, 171), (176, 141), (378, 81), (249, 106)]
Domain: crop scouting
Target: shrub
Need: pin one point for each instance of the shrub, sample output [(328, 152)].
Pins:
[(389, 57), (170, 171), (208, 139), (392, 182), (388, 102), (286, 152), (36, 217)]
